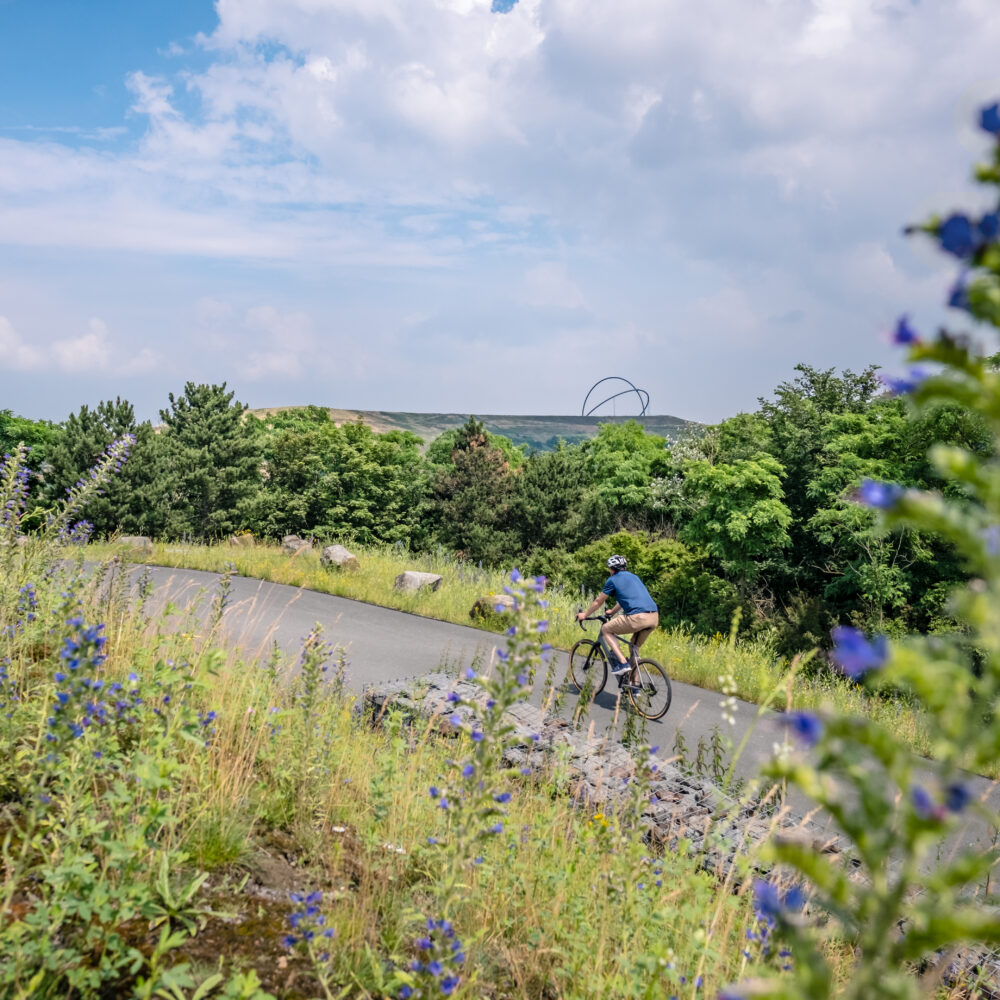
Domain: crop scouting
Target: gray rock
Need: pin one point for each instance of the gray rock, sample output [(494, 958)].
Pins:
[(411, 580), (292, 544), (337, 556), (143, 543), (683, 810), (681, 807), (491, 604)]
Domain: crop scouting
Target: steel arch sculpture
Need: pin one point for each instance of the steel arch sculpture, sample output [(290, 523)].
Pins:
[(642, 395)]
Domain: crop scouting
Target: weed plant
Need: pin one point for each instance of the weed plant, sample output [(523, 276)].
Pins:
[(918, 891)]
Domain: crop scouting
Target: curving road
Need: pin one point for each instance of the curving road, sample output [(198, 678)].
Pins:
[(384, 644)]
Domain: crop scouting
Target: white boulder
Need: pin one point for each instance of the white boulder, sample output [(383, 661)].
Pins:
[(411, 580), (339, 557)]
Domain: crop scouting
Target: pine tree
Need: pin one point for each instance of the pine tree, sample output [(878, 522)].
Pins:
[(213, 459), (473, 496), (128, 503)]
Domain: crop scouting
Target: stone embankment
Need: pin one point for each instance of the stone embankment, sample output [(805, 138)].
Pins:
[(682, 807), (718, 828)]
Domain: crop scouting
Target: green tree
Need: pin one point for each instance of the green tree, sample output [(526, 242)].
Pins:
[(686, 593), (345, 482), (441, 449), (129, 501), (548, 498), (738, 514), (39, 435), (213, 460), (621, 463), (473, 495)]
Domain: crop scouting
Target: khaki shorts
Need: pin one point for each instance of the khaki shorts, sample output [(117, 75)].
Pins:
[(641, 626)]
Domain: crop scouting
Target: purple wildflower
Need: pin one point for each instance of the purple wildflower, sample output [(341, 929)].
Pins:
[(903, 385), (991, 538), (766, 899), (806, 726), (989, 118), (883, 496), (854, 654), (904, 333), (957, 796), (923, 804), (957, 235)]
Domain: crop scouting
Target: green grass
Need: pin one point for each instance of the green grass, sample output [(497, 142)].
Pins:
[(758, 674), (302, 796)]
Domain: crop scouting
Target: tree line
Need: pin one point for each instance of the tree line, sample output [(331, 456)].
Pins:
[(755, 513)]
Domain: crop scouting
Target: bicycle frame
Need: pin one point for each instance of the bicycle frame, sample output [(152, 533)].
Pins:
[(606, 646)]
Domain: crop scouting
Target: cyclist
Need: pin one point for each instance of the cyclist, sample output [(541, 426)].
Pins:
[(634, 611)]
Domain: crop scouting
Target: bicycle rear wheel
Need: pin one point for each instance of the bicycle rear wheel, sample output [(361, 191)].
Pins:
[(649, 691), (587, 662)]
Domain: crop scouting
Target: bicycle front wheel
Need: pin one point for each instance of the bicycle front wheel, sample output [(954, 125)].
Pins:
[(587, 663), (649, 691)]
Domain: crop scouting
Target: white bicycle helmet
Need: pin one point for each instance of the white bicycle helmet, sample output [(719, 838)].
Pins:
[(617, 562)]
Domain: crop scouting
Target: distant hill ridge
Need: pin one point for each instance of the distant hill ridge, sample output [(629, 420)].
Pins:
[(536, 432)]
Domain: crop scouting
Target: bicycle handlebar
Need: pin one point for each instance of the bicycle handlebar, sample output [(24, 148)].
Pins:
[(591, 618)]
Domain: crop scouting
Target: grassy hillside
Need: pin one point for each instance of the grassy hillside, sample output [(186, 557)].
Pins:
[(537, 432), (176, 822)]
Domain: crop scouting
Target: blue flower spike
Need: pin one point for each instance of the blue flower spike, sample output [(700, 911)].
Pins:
[(806, 727), (958, 235), (957, 796), (903, 385), (904, 333), (882, 496), (989, 119), (854, 654), (958, 294)]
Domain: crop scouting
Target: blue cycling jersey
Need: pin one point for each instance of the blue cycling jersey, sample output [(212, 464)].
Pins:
[(630, 592)]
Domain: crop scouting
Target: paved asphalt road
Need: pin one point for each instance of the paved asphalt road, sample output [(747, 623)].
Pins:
[(384, 644)]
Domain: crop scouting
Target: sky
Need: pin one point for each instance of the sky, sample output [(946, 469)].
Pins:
[(474, 206)]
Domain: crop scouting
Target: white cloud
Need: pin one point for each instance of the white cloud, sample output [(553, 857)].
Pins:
[(15, 354), (89, 352), (549, 284), (285, 338), (211, 312), (693, 167)]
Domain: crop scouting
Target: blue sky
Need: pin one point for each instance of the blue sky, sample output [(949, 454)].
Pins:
[(472, 205)]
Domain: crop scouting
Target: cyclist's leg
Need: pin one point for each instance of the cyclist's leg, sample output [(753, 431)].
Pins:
[(617, 626), (641, 626), (645, 624)]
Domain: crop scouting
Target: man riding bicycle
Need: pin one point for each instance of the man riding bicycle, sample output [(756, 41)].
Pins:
[(634, 611)]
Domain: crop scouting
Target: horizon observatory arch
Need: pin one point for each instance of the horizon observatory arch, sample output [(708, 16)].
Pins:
[(630, 390)]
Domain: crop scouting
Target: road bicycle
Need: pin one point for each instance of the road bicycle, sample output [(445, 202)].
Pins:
[(646, 684)]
